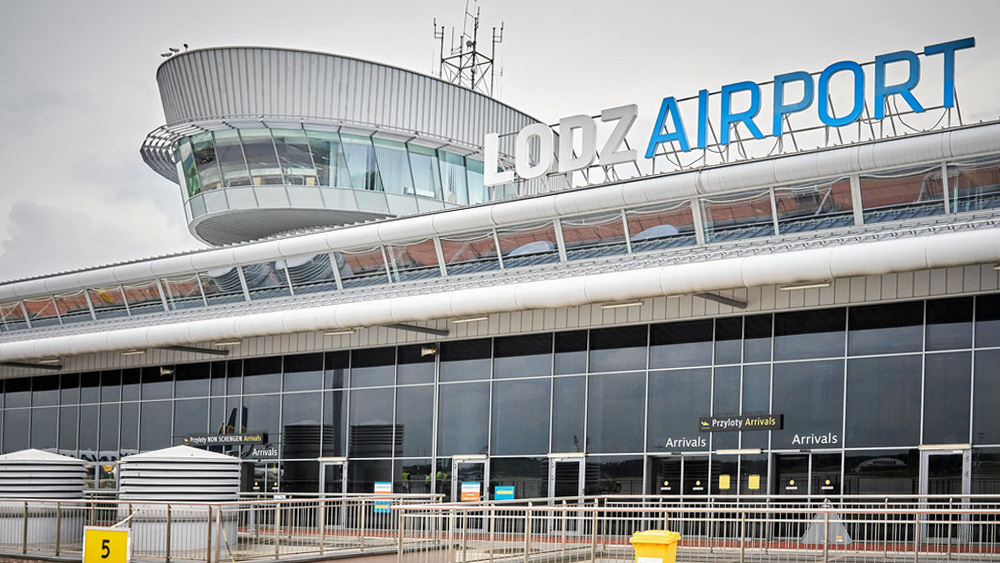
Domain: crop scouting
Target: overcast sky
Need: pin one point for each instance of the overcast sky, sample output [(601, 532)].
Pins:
[(78, 91)]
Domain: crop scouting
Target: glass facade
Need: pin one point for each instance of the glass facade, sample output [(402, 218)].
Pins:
[(849, 399), (267, 168)]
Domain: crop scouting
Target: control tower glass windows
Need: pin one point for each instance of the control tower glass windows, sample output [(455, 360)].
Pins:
[(294, 156), (426, 172), (453, 176), (204, 158), (477, 191), (974, 184), (897, 195), (185, 160), (393, 166), (261, 156), (233, 164), (328, 157), (361, 162)]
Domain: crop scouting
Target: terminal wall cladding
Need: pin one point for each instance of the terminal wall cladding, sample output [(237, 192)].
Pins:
[(961, 143)]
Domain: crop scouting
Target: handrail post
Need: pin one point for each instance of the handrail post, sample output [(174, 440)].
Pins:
[(527, 533), (169, 522), (826, 537), (465, 536), (58, 527), (322, 525), (743, 536), (218, 534), (277, 529), (916, 536), (593, 533), (363, 526), (24, 530), (208, 542), (399, 534)]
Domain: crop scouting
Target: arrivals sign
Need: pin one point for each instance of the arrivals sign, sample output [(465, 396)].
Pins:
[(225, 439), (741, 422), (790, 93)]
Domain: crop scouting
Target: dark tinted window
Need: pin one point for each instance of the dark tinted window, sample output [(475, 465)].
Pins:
[(728, 340), (618, 349), (465, 360), (262, 375), (883, 395), (677, 399), (568, 396), (811, 396), (988, 320), (130, 384), (336, 364), (520, 417), (373, 366), (45, 391), (415, 419), (757, 339), (725, 401), (15, 429), (756, 400), (192, 380), (885, 329), (17, 393), (90, 391), (887, 472), (300, 425), (416, 364), (949, 323), (615, 413), (43, 428), (154, 425), (156, 385), (522, 356), (335, 416), (809, 334), (371, 423), (947, 393), (684, 344), (303, 373), (571, 352), (69, 392), (986, 415), (463, 418)]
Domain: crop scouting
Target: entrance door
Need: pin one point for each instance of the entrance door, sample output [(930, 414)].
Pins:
[(566, 477), (947, 473), (684, 476), (470, 479), (807, 474), (333, 483)]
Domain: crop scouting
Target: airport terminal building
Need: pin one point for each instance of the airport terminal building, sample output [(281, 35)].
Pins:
[(817, 322)]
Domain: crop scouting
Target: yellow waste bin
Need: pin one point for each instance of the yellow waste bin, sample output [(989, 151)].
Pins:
[(654, 546)]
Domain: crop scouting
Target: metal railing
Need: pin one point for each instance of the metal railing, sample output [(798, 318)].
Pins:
[(849, 529), (420, 529)]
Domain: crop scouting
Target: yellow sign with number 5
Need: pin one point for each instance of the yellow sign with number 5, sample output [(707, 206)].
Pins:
[(106, 545)]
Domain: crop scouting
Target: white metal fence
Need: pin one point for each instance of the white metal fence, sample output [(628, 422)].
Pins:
[(420, 529)]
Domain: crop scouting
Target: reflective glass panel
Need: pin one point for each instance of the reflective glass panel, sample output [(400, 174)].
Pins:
[(363, 267), (262, 375), (528, 476), (45, 391), (190, 418), (728, 340), (667, 225), (264, 282), (155, 426), (129, 442), (974, 184), (111, 386), (987, 320), (260, 414), (474, 252), (683, 344), (883, 472), (809, 334), (726, 401), (394, 166), (614, 413), (156, 384), (756, 400), (130, 384), (143, 297), (301, 431), (426, 176), (896, 195), (528, 245), (413, 261), (182, 292), (985, 414), (185, 159), (69, 391), (947, 396), (465, 360), (259, 149), (17, 392), (571, 352), (415, 364), (11, 316), (477, 192), (90, 391), (233, 164), (191, 380), (362, 475), (882, 396), (673, 416), (757, 338), (303, 372), (522, 356), (294, 156), (15, 429), (41, 312), (614, 349), (568, 393), (453, 178), (309, 274), (67, 430), (615, 475), (204, 159), (520, 417), (331, 165), (361, 162), (372, 367), (73, 307), (814, 207), (88, 428), (811, 396), (593, 236), (463, 419), (885, 329), (949, 323), (737, 216), (335, 416), (415, 419)]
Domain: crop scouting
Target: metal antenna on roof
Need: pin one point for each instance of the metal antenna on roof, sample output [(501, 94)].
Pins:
[(465, 64)]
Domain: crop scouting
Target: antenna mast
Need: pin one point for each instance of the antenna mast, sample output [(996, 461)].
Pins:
[(464, 64)]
